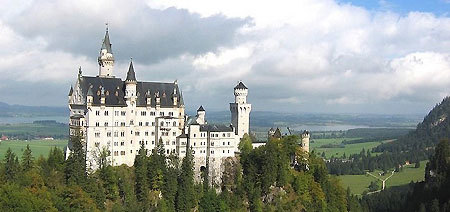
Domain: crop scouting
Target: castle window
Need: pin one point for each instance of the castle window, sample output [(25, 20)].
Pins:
[(116, 143), (212, 152), (167, 151), (224, 143), (106, 113), (153, 133), (146, 124), (131, 122), (146, 133), (228, 151), (122, 143), (116, 153), (137, 133), (131, 132), (106, 124), (195, 135), (228, 143), (116, 124), (122, 113), (97, 113), (122, 124), (122, 152), (152, 113), (153, 142), (173, 142), (194, 143), (97, 124), (131, 151), (228, 134), (122, 134), (116, 113), (212, 143), (167, 142), (143, 113), (146, 142), (140, 123), (131, 141), (170, 113), (174, 123), (153, 124), (108, 134), (97, 144), (116, 134), (97, 135), (174, 133), (223, 151), (162, 123), (161, 113)]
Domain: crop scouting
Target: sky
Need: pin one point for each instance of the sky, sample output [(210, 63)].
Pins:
[(297, 56)]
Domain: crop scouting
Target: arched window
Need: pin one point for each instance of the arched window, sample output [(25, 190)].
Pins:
[(174, 123)]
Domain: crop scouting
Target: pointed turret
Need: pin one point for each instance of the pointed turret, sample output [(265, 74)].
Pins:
[(131, 76), (106, 43), (71, 91)]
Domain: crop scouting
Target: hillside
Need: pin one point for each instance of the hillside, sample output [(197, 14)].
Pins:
[(7, 110), (434, 127)]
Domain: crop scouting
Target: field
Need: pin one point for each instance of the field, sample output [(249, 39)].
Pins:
[(338, 152), (359, 183), (38, 147)]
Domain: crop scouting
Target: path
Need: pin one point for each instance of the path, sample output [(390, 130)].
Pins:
[(383, 181)]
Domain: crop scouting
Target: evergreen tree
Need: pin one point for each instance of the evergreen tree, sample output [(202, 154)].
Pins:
[(245, 145), (27, 159), (157, 167), (12, 166), (140, 171), (75, 169), (185, 195)]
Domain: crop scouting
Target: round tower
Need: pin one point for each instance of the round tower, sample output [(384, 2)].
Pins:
[(240, 110), (305, 140)]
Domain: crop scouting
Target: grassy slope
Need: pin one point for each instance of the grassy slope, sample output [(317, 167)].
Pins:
[(359, 183), (38, 147)]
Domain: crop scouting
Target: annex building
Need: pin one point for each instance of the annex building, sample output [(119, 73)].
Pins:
[(121, 115)]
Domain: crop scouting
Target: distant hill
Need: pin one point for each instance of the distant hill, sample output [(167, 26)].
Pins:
[(434, 127), (7, 110)]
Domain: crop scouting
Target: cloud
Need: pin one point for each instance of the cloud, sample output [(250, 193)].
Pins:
[(296, 56)]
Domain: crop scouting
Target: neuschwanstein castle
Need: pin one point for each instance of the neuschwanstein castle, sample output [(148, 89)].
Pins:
[(120, 115)]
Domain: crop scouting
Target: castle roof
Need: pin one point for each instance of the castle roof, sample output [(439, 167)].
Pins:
[(200, 108), (131, 76), (240, 86), (215, 128), (115, 91), (106, 43)]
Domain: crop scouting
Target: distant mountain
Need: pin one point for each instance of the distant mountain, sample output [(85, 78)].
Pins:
[(434, 127), (7, 110)]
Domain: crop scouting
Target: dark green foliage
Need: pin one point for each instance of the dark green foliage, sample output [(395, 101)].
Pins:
[(140, 172), (210, 202), (12, 166), (27, 159), (185, 196), (75, 167)]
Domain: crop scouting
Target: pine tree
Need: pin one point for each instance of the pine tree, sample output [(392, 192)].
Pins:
[(12, 166), (140, 170), (157, 166), (27, 159), (75, 169), (185, 195)]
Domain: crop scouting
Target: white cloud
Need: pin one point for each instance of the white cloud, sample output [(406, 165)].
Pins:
[(318, 51)]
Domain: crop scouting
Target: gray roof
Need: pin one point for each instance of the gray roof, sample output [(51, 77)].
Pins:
[(106, 43), (240, 86), (131, 76), (215, 128), (115, 91), (71, 91), (201, 108)]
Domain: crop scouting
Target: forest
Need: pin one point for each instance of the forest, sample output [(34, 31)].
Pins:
[(275, 177)]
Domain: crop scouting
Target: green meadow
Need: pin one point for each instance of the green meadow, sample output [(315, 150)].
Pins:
[(38, 147), (338, 152), (359, 183)]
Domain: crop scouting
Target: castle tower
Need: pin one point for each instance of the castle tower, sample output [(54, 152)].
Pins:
[(201, 115), (240, 110), (305, 140), (106, 58)]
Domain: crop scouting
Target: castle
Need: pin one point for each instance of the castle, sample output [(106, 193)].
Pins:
[(121, 115)]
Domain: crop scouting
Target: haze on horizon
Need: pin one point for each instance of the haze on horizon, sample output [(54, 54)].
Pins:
[(314, 56)]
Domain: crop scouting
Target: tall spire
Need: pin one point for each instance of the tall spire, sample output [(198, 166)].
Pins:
[(106, 42), (131, 76)]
